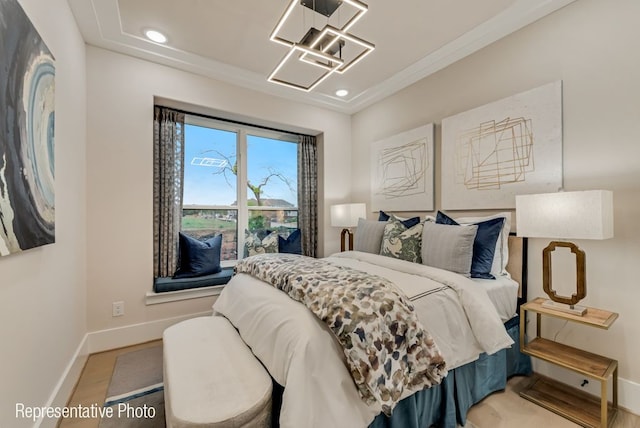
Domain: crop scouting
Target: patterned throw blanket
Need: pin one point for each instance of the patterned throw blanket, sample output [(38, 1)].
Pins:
[(386, 348)]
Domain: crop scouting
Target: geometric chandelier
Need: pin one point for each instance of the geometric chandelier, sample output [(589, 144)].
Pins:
[(318, 54)]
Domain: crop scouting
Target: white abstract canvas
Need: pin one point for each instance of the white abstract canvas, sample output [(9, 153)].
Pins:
[(27, 130), (508, 147), (402, 171)]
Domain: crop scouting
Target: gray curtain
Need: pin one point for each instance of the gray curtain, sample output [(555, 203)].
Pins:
[(308, 194), (168, 171)]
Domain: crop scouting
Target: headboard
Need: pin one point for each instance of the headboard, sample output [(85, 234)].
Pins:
[(517, 265)]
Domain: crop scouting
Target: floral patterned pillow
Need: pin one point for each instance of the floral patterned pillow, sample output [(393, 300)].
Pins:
[(254, 245), (401, 242)]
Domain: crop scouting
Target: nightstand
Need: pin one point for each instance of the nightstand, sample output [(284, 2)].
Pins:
[(572, 403)]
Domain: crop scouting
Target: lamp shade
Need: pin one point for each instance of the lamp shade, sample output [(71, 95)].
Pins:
[(566, 215), (347, 215)]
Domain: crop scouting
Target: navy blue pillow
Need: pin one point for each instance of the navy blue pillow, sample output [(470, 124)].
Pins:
[(408, 223), (484, 246), (198, 258), (292, 244)]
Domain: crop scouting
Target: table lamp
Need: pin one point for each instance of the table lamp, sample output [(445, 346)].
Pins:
[(346, 216), (565, 215)]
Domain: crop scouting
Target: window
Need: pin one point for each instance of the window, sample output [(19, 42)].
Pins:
[(219, 156)]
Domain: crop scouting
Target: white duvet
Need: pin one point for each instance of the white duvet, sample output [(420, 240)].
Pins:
[(301, 353)]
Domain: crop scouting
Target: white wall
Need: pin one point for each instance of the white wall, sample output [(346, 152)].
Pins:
[(121, 93), (593, 46), (42, 291)]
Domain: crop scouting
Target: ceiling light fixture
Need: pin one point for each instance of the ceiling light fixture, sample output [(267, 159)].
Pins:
[(321, 48), (342, 92), (331, 66), (155, 36), (337, 37)]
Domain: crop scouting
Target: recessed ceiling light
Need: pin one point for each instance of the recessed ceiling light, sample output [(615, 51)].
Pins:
[(155, 36), (342, 92)]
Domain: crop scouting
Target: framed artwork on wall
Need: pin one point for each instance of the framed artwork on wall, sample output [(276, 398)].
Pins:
[(508, 147), (27, 114), (402, 169)]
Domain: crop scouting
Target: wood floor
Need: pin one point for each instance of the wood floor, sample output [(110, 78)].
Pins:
[(504, 409), (507, 409), (94, 382)]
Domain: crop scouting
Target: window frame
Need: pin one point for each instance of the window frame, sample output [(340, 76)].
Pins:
[(242, 131)]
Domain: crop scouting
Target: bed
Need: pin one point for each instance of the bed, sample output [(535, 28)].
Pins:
[(472, 321)]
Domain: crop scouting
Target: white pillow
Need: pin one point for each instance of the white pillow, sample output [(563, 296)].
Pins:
[(501, 254)]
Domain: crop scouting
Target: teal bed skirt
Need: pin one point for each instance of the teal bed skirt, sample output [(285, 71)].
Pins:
[(446, 405)]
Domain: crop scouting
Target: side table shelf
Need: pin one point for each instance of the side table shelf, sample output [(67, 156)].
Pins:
[(572, 403)]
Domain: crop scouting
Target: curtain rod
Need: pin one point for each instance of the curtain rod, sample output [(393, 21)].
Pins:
[(236, 122)]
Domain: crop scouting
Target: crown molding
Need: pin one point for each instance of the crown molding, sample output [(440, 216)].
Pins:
[(519, 15), (100, 25)]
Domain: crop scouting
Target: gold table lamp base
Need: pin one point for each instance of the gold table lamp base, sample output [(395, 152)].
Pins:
[(562, 303)]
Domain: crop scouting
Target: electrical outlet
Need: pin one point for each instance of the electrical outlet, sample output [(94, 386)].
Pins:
[(118, 309)]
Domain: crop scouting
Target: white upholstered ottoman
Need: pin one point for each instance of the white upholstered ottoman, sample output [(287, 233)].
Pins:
[(212, 379)]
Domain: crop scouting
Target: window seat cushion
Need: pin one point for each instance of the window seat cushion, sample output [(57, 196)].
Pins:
[(163, 284)]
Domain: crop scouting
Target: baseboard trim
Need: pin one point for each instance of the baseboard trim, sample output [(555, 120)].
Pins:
[(104, 340), (628, 391), (64, 388)]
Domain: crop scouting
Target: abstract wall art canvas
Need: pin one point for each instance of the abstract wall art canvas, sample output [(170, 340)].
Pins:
[(402, 171), (27, 89), (508, 147)]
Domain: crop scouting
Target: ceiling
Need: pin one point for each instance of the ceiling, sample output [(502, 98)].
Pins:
[(229, 39)]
